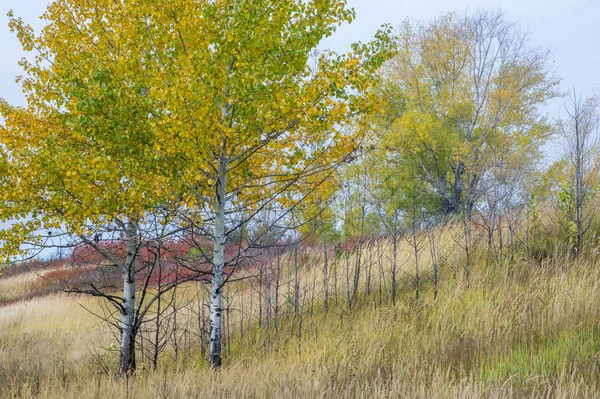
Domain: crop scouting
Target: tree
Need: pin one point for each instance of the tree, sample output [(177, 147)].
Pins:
[(460, 89), (79, 156), (250, 118), (580, 131)]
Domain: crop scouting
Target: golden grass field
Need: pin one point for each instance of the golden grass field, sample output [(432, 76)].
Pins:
[(526, 329)]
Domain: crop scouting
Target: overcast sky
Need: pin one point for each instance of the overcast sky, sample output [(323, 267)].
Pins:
[(570, 27)]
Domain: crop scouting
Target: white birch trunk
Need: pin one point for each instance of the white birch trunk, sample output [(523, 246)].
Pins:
[(127, 326), (216, 295)]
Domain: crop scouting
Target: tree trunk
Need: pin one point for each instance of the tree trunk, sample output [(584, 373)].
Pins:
[(175, 326), (158, 316), (416, 248), (216, 295), (260, 292), (296, 281), (380, 268), (458, 186), (276, 308), (267, 299), (451, 203), (357, 267), (434, 259), (128, 323), (369, 267), (348, 295), (395, 263), (467, 218), (325, 276)]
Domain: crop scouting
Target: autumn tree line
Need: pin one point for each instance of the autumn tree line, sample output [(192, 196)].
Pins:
[(218, 139)]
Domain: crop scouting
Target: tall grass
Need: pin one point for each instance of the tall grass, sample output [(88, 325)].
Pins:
[(527, 328)]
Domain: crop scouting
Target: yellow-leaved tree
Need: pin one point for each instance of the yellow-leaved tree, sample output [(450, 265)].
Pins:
[(142, 104), (465, 96), (247, 117), (79, 157)]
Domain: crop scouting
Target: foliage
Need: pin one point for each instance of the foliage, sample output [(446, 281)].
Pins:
[(465, 92), (80, 153)]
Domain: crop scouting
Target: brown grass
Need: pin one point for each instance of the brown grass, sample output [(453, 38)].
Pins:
[(525, 330)]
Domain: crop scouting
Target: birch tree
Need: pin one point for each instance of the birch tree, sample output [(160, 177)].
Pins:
[(250, 117), (79, 155)]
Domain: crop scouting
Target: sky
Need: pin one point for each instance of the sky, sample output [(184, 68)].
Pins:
[(571, 28)]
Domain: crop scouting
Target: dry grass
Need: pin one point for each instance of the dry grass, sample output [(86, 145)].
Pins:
[(16, 286), (525, 330)]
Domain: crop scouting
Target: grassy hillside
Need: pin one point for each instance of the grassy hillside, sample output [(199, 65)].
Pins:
[(526, 327)]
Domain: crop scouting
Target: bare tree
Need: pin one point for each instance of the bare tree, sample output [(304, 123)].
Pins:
[(580, 131)]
